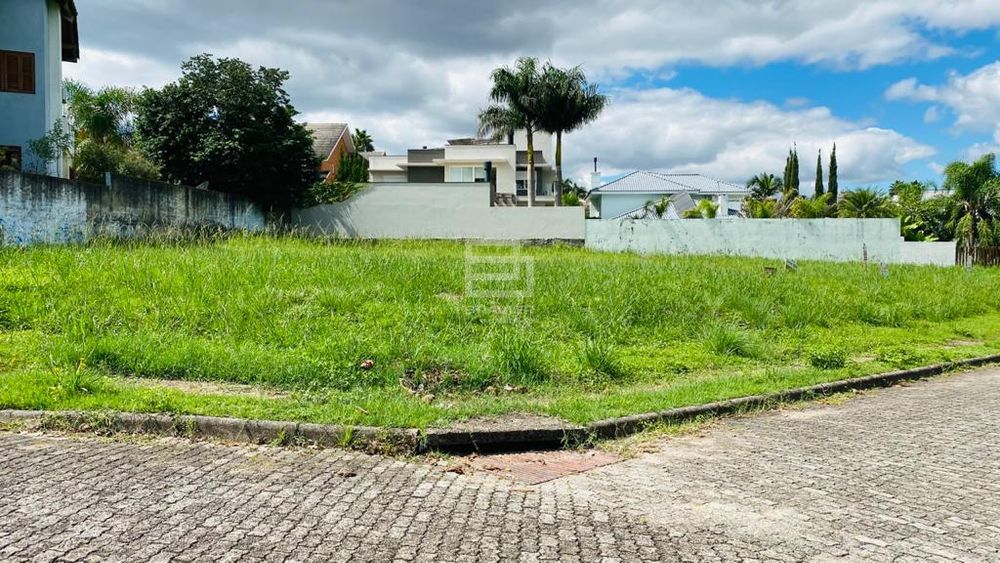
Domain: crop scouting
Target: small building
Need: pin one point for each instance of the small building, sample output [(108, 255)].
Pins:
[(629, 195), (462, 161), (36, 37), (330, 142)]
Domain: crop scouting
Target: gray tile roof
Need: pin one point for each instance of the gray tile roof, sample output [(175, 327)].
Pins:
[(651, 182), (325, 136)]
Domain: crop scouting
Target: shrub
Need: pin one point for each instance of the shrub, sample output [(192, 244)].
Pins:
[(333, 191), (729, 341), (516, 358), (828, 358), (599, 357), (570, 199)]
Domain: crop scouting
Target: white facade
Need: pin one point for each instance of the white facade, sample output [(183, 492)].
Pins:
[(463, 161)]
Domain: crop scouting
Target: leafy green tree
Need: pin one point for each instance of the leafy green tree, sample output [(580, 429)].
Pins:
[(864, 203), (764, 185), (232, 125), (819, 175), (516, 96), (833, 188), (975, 188), (567, 103), (362, 141)]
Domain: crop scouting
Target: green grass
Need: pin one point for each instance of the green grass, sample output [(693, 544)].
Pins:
[(601, 335)]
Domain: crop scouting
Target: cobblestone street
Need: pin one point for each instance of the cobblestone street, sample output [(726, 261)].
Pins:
[(903, 474)]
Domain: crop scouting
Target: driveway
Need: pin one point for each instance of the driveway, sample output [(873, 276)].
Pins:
[(903, 474)]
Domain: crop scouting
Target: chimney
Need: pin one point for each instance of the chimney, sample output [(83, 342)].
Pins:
[(595, 176)]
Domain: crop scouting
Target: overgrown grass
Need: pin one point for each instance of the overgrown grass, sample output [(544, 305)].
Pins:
[(600, 335)]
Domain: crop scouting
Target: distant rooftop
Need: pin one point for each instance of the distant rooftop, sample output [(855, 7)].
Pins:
[(325, 137), (652, 182)]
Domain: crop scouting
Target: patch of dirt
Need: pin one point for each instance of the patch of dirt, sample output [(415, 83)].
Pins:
[(211, 388), (514, 421), (533, 468)]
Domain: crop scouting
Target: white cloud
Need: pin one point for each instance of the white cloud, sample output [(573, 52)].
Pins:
[(682, 130), (101, 67), (932, 115), (974, 98)]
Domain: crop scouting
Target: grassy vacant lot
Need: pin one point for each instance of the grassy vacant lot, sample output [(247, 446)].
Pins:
[(113, 325)]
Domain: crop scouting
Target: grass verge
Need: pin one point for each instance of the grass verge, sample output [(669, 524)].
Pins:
[(383, 334)]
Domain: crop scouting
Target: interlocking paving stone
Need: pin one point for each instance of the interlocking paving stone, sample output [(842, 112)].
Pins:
[(904, 474)]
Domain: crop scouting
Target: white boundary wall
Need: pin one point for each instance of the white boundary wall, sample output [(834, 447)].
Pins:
[(800, 239), (438, 211), (929, 253)]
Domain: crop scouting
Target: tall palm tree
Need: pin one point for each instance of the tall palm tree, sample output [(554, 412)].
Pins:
[(864, 203), (764, 185), (567, 103), (516, 96), (362, 141), (976, 189)]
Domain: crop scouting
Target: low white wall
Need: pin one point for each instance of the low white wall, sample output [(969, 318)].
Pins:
[(800, 239), (928, 253), (438, 211)]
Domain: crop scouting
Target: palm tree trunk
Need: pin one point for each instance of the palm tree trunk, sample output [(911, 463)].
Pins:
[(531, 166), (559, 179)]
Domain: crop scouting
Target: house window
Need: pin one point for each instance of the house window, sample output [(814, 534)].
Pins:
[(466, 174), (17, 72), (10, 157)]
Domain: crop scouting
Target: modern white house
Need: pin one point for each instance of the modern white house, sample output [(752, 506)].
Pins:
[(462, 161), (36, 37), (628, 196)]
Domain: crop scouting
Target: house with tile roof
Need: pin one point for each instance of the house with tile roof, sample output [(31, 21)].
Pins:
[(628, 196), (330, 142)]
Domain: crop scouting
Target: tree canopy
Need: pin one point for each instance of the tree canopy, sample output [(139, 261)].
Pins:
[(232, 125)]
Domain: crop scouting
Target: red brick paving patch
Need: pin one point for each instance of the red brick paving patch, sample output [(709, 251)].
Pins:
[(533, 468)]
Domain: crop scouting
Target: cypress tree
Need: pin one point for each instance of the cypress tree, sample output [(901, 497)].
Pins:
[(787, 180), (833, 175), (819, 173), (795, 169)]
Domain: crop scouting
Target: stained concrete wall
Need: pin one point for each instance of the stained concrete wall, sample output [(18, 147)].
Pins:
[(42, 209), (438, 211), (928, 253), (801, 239)]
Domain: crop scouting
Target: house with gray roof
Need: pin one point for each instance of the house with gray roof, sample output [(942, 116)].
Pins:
[(330, 142), (629, 196)]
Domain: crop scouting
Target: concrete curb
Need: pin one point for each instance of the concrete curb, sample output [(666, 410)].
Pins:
[(408, 440)]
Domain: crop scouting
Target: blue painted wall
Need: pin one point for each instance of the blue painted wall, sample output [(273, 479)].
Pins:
[(25, 25)]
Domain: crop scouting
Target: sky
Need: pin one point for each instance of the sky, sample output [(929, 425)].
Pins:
[(723, 88)]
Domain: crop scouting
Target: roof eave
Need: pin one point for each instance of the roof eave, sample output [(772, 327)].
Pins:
[(70, 31)]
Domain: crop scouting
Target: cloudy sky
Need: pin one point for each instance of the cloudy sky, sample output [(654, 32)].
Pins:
[(722, 87)]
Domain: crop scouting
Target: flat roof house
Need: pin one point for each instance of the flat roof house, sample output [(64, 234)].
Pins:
[(36, 37), (627, 196), (462, 161), (330, 142)]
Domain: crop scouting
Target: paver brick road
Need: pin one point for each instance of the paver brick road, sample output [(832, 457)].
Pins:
[(904, 474)]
